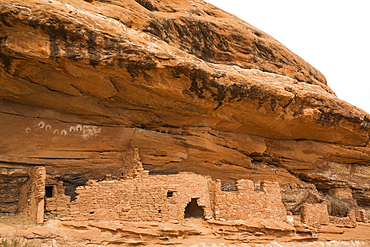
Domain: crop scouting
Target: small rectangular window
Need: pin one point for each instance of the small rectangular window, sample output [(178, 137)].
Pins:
[(49, 191)]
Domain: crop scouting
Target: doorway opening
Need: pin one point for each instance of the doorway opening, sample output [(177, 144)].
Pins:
[(193, 210)]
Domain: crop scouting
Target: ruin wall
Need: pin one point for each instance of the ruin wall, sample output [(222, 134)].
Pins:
[(32, 195), (247, 203), (342, 193), (313, 214), (57, 206), (348, 221), (151, 198)]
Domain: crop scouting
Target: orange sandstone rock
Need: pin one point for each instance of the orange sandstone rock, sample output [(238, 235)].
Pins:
[(193, 87)]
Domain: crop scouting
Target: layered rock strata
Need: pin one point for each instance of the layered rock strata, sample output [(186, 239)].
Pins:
[(193, 87)]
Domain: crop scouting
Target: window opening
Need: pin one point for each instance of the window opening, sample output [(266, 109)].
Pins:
[(170, 193), (49, 191), (193, 210), (229, 186)]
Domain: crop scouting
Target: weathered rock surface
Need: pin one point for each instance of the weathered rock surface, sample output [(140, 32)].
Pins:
[(193, 87), (103, 233)]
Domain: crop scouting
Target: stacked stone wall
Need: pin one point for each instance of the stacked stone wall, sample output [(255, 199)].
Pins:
[(57, 206), (32, 195), (355, 214), (150, 198), (343, 193), (164, 198), (348, 221), (315, 214), (247, 203)]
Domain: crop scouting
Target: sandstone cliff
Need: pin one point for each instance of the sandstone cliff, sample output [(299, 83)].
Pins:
[(193, 87)]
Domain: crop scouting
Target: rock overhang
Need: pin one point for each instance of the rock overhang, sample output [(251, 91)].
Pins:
[(97, 64), (197, 77)]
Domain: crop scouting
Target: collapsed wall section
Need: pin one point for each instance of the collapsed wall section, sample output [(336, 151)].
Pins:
[(338, 208)]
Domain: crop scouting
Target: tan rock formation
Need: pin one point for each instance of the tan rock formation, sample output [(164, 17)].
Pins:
[(194, 88)]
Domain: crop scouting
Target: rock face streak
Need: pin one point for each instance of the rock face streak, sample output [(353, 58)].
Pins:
[(192, 87)]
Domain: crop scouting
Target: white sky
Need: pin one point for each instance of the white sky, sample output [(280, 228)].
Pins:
[(331, 35)]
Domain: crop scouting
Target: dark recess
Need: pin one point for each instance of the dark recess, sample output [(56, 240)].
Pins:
[(49, 191), (147, 4), (71, 182), (162, 172), (193, 210)]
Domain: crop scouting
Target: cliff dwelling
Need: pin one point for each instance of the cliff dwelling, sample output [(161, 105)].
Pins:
[(134, 195), (137, 196), (143, 122)]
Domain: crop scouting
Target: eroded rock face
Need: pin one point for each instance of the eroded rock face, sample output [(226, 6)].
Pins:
[(193, 87)]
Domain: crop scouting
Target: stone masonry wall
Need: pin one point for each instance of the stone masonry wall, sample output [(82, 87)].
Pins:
[(356, 214), (32, 196), (149, 198), (164, 198), (57, 206), (247, 203), (312, 214), (343, 193), (348, 221)]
